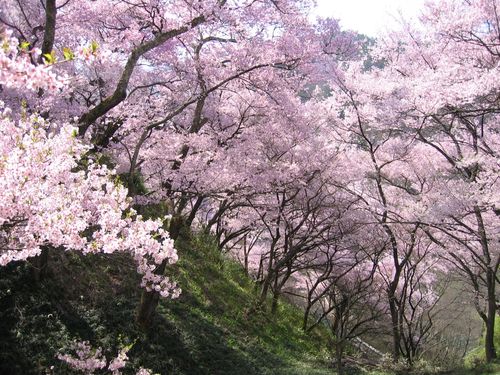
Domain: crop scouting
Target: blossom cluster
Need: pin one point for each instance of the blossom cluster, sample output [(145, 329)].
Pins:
[(89, 360), (18, 71)]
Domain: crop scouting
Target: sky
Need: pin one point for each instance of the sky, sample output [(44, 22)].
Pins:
[(369, 17)]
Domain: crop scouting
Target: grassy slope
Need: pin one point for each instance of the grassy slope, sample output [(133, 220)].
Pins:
[(476, 357), (209, 330)]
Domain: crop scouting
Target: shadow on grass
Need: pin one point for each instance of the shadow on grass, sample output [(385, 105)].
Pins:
[(209, 330)]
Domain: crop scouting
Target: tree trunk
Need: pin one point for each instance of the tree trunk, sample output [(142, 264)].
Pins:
[(339, 354), (276, 295), (245, 254), (266, 283), (265, 289), (147, 308), (149, 300), (396, 338), (305, 320), (49, 29), (274, 306), (489, 342), (39, 264), (194, 210)]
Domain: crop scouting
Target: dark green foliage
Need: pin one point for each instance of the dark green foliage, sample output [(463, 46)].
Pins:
[(134, 183)]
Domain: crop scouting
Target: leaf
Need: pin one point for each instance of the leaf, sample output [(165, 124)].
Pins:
[(50, 58), (68, 54), (24, 46), (129, 346), (94, 46)]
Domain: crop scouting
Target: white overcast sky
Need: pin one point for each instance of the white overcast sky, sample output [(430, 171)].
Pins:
[(369, 17)]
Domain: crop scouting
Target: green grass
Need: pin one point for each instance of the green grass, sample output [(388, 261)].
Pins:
[(211, 329), (475, 361), (216, 321), (477, 356)]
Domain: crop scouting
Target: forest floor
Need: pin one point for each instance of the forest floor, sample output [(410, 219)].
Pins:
[(211, 329)]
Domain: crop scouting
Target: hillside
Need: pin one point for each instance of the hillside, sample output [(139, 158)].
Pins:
[(210, 329)]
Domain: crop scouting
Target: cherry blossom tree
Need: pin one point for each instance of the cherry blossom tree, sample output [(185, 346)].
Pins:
[(176, 92), (53, 195), (440, 78)]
